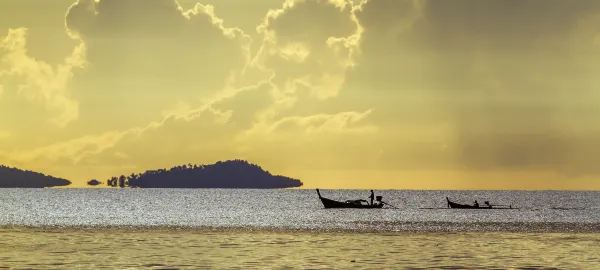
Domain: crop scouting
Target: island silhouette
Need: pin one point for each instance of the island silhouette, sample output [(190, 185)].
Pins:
[(94, 182), (15, 178), (223, 174)]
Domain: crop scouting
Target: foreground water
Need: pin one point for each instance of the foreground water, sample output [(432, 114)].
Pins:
[(203, 249), (279, 229)]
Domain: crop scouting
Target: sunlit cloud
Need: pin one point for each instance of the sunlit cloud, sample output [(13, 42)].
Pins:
[(38, 81), (313, 53), (77, 149)]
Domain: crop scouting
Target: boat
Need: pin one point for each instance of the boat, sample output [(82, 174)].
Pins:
[(486, 205), (329, 203)]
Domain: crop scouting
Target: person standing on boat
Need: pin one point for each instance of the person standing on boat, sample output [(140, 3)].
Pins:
[(372, 197)]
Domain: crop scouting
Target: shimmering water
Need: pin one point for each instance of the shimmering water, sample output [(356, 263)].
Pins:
[(289, 229), (539, 211), (191, 249)]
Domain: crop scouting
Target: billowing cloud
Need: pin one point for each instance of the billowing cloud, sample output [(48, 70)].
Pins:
[(307, 47), (308, 52), (308, 60), (154, 53), (36, 80)]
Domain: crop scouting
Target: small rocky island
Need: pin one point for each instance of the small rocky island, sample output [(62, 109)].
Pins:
[(94, 182), (16, 178), (223, 174)]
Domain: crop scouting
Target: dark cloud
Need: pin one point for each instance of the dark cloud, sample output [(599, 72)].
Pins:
[(150, 39), (134, 19), (509, 25), (153, 50), (506, 77)]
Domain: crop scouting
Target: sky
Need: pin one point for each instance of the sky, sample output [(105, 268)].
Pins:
[(382, 94)]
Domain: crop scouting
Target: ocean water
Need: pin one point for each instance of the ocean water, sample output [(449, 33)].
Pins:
[(204, 249), (539, 211), (290, 229)]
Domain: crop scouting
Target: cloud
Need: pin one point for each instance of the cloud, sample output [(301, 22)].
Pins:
[(178, 125), (39, 82), (316, 52), (506, 112), (182, 44), (316, 125), (389, 17), (73, 151), (514, 94), (151, 54), (246, 105), (307, 61)]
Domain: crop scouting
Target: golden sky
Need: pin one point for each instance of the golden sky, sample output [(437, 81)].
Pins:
[(386, 94)]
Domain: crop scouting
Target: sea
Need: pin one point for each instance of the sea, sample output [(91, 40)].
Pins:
[(289, 229)]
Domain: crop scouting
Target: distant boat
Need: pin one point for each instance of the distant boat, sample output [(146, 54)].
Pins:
[(486, 205), (329, 203)]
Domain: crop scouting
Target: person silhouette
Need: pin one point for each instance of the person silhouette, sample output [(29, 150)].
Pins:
[(476, 204), (372, 197)]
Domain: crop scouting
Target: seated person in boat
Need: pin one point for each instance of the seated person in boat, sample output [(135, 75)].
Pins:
[(488, 204), (378, 200), (476, 204)]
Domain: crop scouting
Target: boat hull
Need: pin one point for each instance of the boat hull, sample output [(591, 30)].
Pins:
[(465, 206), (329, 203)]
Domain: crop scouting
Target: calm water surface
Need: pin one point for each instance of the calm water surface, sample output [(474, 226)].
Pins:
[(282, 229), (553, 211), (190, 249)]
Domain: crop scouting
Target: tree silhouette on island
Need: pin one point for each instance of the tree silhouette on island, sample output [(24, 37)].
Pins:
[(223, 174), (16, 178)]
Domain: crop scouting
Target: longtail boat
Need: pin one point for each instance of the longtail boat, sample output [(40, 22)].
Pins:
[(329, 203), (486, 205)]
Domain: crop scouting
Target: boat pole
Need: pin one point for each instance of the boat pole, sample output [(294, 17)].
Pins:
[(504, 205), (390, 205)]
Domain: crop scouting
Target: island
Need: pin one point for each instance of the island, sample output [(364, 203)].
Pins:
[(94, 182), (15, 178), (223, 174)]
